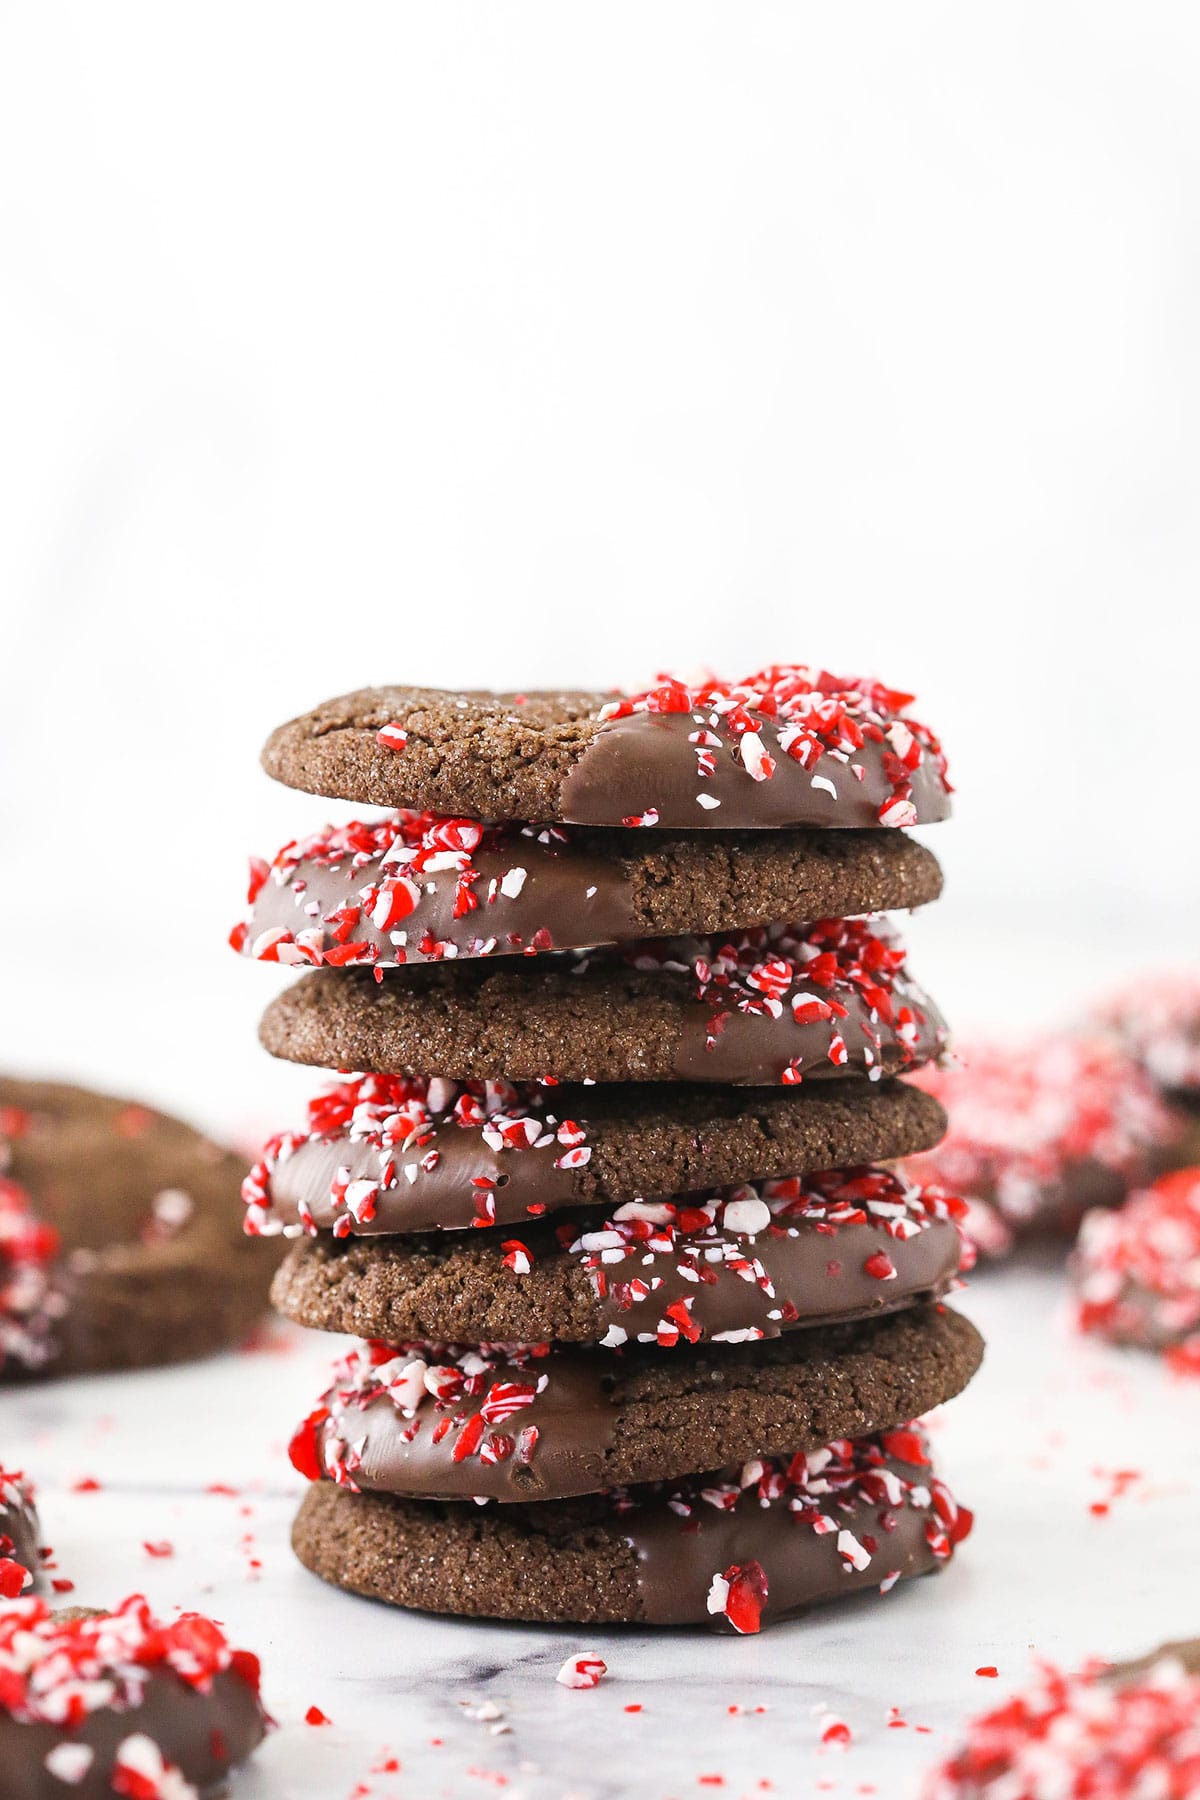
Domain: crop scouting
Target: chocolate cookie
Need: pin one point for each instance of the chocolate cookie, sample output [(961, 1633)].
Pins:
[(419, 887), (786, 746), (1040, 1132), (395, 1153), (735, 1550), (20, 1537), (1104, 1732), (119, 1236), (1136, 1271), (97, 1704), (439, 1422), (735, 1264), (784, 1003)]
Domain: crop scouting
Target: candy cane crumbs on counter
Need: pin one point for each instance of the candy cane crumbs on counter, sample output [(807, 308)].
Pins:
[(1136, 1271), (1025, 1117), (29, 1302), (397, 1117), (1095, 1735), (803, 713), (582, 1671)]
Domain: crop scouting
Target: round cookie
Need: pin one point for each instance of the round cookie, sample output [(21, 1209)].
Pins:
[(1156, 1019), (1039, 1133), (394, 1153), (1107, 1733), (447, 1422), (734, 1264), (95, 1704), (785, 1003), (120, 1244), (1136, 1271), (20, 1537), (786, 746), (735, 1550), (419, 887)]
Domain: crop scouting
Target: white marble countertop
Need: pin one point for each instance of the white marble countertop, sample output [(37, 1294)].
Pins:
[(1033, 1447)]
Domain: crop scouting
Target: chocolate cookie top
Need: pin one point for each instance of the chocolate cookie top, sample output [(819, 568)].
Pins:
[(788, 745), (402, 1153), (736, 1264), (1041, 1131), (119, 1238), (735, 1550), (20, 1538), (444, 1422), (419, 887), (785, 1003), (1136, 1271), (96, 1704)]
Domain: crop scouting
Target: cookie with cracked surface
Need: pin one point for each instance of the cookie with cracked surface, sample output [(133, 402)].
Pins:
[(419, 888), (787, 745), (386, 1154), (734, 1265), (535, 1423), (788, 1003), (120, 1244), (735, 1550)]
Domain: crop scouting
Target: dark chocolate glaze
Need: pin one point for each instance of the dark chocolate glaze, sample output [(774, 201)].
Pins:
[(204, 1735), (645, 763), (677, 1557), (20, 1536)]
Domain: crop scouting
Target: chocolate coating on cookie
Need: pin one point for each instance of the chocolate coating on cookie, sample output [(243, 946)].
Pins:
[(735, 1550), (787, 1003), (124, 1226), (96, 1704), (736, 1265), (787, 746), (388, 1153), (424, 888), (433, 1422), (20, 1537)]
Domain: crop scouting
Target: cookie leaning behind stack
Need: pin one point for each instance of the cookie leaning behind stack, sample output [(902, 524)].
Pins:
[(644, 1326)]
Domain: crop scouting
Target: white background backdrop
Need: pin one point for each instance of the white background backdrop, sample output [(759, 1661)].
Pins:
[(536, 342)]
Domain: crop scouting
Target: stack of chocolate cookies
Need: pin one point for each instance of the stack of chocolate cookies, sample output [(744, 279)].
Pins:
[(644, 1323)]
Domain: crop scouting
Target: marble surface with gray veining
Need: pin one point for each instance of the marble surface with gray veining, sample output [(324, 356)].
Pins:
[(1082, 1463)]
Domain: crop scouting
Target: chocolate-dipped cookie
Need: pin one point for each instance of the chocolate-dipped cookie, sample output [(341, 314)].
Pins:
[(786, 746), (393, 1153), (447, 1422), (1040, 1132), (1107, 1732), (96, 1704), (20, 1536), (736, 1265), (1136, 1271), (735, 1550), (419, 887), (786, 1003), (120, 1244)]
